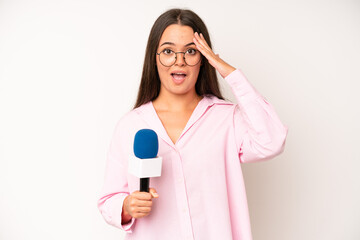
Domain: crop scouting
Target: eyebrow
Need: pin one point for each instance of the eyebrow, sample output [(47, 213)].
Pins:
[(170, 43)]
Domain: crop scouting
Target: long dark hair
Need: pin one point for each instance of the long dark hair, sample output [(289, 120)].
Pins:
[(207, 82)]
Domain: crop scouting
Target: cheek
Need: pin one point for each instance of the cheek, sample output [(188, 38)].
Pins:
[(196, 73), (162, 72), (160, 68)]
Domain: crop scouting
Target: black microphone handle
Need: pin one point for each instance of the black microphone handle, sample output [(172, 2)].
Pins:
[(144, 184)]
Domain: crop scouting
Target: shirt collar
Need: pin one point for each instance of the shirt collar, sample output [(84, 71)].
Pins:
[(148, 114)]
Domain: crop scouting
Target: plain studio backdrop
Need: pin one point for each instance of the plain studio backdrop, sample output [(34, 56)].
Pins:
[(70, 69)]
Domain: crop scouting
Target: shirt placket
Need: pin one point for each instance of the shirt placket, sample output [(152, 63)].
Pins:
[(181, 197)]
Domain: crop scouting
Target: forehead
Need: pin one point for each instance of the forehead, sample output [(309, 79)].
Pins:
[(177, 34)]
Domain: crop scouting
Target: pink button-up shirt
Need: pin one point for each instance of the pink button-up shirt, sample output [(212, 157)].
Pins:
[(201, 189)]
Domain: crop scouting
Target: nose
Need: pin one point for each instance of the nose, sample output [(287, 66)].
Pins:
[(180, 59)]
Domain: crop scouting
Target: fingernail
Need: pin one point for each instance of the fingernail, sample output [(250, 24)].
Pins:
[(156, 195)]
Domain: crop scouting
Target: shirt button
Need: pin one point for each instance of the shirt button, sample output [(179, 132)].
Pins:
[(184, 210), (179, 180)]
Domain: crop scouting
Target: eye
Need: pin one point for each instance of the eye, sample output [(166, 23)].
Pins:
[(191, 51), (167, 51)]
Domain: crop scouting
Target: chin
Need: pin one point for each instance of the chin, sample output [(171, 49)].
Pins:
[(179, 89)]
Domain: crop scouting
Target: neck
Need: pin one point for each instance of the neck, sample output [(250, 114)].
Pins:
[(176, 102)]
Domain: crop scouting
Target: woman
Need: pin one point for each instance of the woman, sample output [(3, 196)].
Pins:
[(202, 139)]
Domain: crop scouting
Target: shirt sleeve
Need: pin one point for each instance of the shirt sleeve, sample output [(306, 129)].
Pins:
[(115, 188), (259, 133)]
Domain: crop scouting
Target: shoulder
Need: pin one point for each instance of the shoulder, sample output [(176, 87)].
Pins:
[(131, 118), (220, 108), (218, 103)]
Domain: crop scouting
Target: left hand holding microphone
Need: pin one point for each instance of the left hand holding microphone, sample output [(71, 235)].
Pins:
[(138, 204)]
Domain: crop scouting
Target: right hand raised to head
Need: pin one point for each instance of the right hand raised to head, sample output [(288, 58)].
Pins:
[(138, 204)]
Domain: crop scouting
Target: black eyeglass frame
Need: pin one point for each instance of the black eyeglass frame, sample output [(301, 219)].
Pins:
[(183, 58)]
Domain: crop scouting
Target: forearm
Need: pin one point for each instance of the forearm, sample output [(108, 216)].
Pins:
[(225, 69)]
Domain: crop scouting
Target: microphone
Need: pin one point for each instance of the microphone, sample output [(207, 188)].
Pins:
[(145, 163)]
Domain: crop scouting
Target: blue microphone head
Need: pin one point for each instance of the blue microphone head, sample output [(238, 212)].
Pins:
[(146, 144)]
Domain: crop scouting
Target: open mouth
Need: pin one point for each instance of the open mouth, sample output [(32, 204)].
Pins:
[(178, 75), (178, 78)]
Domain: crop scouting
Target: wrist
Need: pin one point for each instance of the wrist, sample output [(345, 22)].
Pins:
[(125, 216), (227, 69)]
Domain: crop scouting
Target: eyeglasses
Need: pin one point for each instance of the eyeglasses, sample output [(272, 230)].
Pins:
[(168, 57)]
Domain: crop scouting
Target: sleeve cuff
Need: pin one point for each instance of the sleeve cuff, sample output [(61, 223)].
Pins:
[(126, 227), (111, 209)]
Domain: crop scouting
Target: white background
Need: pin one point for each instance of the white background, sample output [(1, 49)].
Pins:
[(70, 69)]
